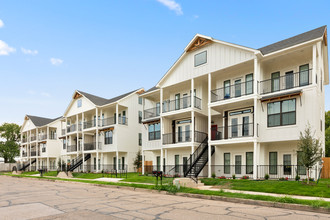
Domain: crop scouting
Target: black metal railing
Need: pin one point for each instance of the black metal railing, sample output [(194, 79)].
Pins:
[(122, 120), (232, 91), (89, 124), (107, 121), (35, 153), (53, 136), (42, 137), (24, 154), (229, 170), (184, 136), (288, 81), (233, 131), (72, 128), (182, 103), (43, 150), (24, 140), (33, 138), (71, 148), (151, 112), (92, 146), (283, 171)]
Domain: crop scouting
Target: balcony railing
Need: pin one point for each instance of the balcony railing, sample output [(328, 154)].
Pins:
[(151, 112), (24, 140), (182, 103), (184, 136), (71, 148), (43, 150), (154, 135), (288, 81), (107, 121), (123, 120), (24, 154), (63, 131), (35, 153), (91, 146), (233, 131), (33, 138), (53, 137), (232, 91), (42, 137), (89, 124), (72, 128)]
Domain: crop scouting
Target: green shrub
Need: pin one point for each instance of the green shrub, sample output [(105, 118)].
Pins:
[(266, 177), (234, 177), (297, 178), (213, 175)]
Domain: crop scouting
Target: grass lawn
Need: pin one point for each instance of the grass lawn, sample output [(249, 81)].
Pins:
[(322, 189)]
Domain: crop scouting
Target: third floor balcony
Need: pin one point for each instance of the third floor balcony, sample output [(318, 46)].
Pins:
[(239, 89), (181, 103)]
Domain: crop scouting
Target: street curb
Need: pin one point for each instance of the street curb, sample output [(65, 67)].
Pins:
[(297, 207)]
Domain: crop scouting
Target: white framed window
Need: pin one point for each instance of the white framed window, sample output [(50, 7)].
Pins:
[(201, 58), (79, 103)]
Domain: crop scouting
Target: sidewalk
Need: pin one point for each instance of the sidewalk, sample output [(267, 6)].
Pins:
[(264, 194)]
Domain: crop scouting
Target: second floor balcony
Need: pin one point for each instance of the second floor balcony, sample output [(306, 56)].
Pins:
[(42, 137), (71, 148), (33, 138), (239, 89), (181, 103), (288, 81), (35, 153), (92, 146), (184, 136), (232, 131), (89, 124), (151, 112), (107, 121), (24, 154), (71, 128)]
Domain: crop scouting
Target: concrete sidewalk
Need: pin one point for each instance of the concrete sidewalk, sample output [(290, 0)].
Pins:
[(211, 188)]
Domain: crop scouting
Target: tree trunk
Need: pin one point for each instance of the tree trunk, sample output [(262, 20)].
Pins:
[(307, 176)]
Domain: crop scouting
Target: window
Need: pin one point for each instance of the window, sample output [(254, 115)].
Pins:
[(123, 163), (115, 163), (140, 139), (177, 101), (301, 168), (249, 84), (176, 160), (158, 163), (275, 81), (79, 103), (64, 144), (140, 100), (304, 75), (226, 163), (154, 131), (249, 162), (140, 117), (282, 113), (238, 164), (226, 85), (289, 80), (237, 88), (200, 58), (108, 138), (273, 163), (234, 127)]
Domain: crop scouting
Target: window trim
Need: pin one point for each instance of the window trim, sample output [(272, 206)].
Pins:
[(281, 113), (79, 103), (154, 132), (205, 51)]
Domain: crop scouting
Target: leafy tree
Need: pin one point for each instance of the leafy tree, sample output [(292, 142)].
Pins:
[(327, 134), (138, 160), (9, 148), (310, 148)]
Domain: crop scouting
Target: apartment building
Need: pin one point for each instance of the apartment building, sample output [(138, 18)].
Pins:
[(100, 134), (227, 109), (39, 143)]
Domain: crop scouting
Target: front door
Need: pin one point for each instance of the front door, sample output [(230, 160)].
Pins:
[(289, 80), (214, 131), (275, 81), (234, 127), (287, 168), (237, 88)]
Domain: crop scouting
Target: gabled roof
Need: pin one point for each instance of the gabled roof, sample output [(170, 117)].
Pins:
[(292, 41), (40, 121), (152, 89)]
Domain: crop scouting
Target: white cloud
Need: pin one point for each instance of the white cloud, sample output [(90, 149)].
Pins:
[(46, 94), (172, 5), (1, 23), (56, 61), (5, 49), (30, 52)]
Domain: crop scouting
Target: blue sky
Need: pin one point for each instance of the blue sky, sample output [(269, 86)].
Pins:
[(50, 48)]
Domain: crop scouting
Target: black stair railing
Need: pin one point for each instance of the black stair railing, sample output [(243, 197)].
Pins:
[(27, 165), (78, 161)]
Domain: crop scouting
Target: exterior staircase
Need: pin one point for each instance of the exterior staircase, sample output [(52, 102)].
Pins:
[(27, 165), (198, 160), (79, 161)]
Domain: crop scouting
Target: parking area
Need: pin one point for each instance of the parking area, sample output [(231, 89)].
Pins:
[(22, 198)]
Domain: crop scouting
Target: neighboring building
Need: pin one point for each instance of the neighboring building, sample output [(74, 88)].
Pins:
[(39, 143), (106, 132), (230, 110)]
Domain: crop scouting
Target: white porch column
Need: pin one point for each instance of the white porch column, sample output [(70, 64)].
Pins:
[(256, 75), (165, 156), (142, 153), (37, 149), (30, 150), (314, 65), (47, 137), (102, 162), (97, 140), (161, 159), (256, 150), (83, 140), (77, 132), (209, 119), (192, 94), (192, 127)]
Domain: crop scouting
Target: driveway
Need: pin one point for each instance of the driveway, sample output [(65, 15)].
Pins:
[(22, 198)]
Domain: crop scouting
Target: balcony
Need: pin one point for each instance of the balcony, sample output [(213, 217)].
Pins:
[(42, 137), (35, 153), (288, 81), (89, 124), (107, 121), (182, 137), (24, 154), (232, 91), (63, 131), (71, 128), (53, 137), (71, 148), (233, 131), (151, 112), (154, 135), (24, 140), (43, 150), (182, 103), (123, 120), (91, 146), (33, 138)]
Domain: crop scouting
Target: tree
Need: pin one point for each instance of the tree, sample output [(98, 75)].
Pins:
[(138, 160), (9, 148), (327, 134), (311, 151)]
